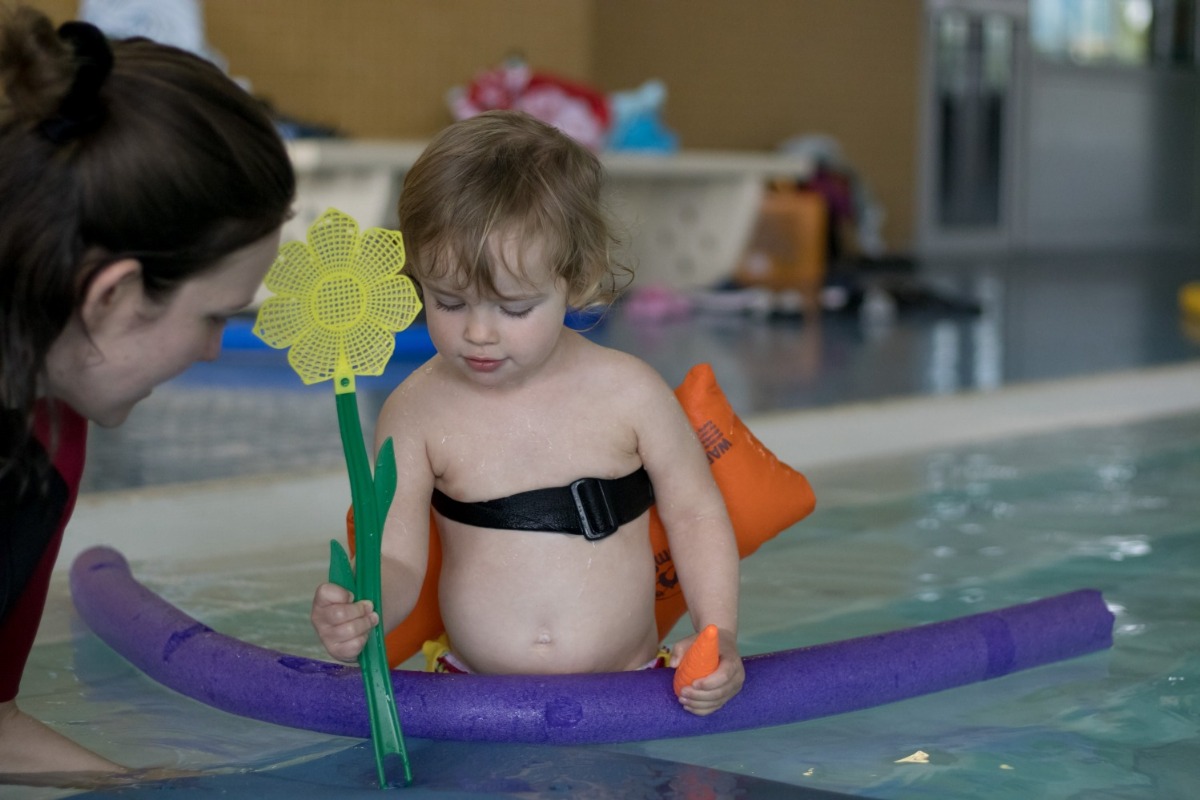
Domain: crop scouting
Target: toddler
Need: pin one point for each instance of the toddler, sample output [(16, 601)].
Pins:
[(540, 451)]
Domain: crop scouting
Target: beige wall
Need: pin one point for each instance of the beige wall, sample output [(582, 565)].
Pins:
[(379, 68), (752, 73), (739, 73), (58, 10)]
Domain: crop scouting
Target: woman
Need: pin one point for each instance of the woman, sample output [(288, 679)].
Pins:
[(141, 197)]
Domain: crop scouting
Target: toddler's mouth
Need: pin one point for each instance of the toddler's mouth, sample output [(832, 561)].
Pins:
[(483, 364)]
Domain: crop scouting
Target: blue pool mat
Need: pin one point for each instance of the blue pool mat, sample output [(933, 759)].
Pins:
[(411, 343)]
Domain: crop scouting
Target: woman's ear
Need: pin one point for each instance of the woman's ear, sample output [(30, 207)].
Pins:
[(114, 292)]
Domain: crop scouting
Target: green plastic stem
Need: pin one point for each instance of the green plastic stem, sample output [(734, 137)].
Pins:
[(371, 498)]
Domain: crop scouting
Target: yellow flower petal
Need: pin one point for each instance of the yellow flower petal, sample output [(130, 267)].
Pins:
[(380, 254), (314, 355), (369, 349), (294, 270), (333, 237), (340, 295), (281, 320), (339, 301), (393, 303)]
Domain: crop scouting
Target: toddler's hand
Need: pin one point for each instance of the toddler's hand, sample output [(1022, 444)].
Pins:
[(706, 695), (342, 625)]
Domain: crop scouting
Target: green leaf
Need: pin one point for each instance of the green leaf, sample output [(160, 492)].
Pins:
[(385, 478), (340, 571)]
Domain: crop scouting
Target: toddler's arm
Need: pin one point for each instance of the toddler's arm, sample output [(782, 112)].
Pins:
[(701, 538), (342, 625)]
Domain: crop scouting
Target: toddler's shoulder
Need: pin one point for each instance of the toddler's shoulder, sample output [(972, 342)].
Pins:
[(417, 393), (625, 375)]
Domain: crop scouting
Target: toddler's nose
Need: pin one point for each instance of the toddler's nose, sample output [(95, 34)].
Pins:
[(480, 327)]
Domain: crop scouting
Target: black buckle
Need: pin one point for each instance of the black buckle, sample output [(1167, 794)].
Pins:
[(597, 518)]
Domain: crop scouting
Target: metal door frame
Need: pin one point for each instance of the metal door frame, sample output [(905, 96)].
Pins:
[(932, 237)]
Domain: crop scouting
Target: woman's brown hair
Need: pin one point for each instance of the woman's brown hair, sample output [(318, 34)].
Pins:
[(176, 166)]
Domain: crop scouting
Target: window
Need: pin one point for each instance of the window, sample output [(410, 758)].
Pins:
[(1134, 33)]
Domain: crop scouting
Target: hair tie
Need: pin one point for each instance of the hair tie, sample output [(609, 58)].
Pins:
[(81, 111)]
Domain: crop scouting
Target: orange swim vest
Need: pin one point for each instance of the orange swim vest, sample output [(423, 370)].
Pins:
[(762, 494)]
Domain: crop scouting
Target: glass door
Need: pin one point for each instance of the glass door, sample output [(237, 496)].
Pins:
[(970, 124)]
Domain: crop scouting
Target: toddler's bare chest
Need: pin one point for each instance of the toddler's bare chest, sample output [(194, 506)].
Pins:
[(488, 453)]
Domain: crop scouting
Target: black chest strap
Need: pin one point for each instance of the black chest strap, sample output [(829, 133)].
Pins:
[(589, 507)]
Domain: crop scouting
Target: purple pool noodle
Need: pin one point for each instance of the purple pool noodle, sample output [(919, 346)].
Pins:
[(783, 687)]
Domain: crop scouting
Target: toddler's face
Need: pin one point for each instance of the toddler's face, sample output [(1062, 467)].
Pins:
[(506, 339)]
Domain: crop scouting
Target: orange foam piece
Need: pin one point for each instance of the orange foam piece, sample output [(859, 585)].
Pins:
[(699, 660)]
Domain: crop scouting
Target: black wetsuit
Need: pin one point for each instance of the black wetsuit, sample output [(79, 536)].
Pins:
[(31, 529)]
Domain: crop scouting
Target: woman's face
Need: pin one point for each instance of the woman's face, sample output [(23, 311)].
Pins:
[(128, 343)]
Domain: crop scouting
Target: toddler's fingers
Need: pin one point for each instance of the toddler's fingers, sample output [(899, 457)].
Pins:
[(347, 652), (345, 641), (727, 673), (329, 594), (702, 708), (345, 622), (707, 695)]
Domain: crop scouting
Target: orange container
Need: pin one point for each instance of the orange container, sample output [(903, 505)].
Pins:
[(789, 245)]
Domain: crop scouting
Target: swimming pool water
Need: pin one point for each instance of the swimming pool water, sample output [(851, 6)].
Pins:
[(894, 543), (977, 528)]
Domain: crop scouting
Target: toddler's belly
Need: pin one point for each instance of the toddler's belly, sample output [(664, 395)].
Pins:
[(547, 603)]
